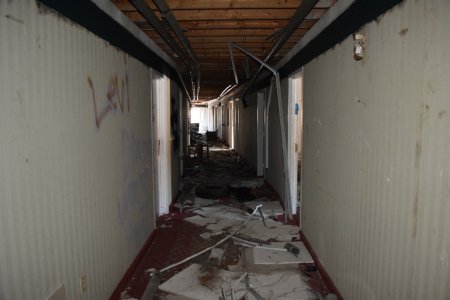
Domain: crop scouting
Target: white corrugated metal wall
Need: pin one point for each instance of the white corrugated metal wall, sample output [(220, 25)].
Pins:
[(75, 199), (376, 162)]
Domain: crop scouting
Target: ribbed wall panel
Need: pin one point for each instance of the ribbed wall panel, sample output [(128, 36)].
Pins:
[(376, 181), (75, 199)]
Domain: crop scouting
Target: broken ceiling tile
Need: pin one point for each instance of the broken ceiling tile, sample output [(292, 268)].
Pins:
[(222, 224), (192, 283), (281, 285), (274, 230)]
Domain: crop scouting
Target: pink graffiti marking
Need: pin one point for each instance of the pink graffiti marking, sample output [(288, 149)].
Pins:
[(117, 94)]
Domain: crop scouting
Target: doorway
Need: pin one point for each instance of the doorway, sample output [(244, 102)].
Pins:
[(162, 150)]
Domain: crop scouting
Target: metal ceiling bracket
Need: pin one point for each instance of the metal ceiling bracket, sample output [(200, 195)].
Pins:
[(150, 16), (172, 21), (287, 202), (302, 11)]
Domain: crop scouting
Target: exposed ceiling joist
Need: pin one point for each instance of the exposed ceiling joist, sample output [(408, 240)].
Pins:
[(209, 25)]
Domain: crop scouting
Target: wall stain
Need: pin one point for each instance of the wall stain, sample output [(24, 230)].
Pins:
[(403, 31), (431, 87), (361, 102), (12, 18), (442, 113)]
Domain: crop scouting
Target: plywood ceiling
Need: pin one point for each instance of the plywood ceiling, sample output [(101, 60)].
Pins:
[(210, 24)]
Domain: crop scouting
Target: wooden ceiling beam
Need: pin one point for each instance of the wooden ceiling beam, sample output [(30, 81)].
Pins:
[(231, 33), (224, 46), (231, 24), (224, 4), (231, 14), (225, 39), (256, 51), (240, 24)]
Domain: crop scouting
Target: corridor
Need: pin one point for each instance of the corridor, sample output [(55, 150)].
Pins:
[(224, 149)]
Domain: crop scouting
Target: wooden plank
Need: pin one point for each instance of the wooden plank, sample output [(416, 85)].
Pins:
[(232, 14), (224, 4), (224, 45), (240, 24), (240, 32), (232, 32), (224, 39), (258, 52)]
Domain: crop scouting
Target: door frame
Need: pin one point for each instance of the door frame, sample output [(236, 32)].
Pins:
[(260, 133), (294, 143), (162, 150)]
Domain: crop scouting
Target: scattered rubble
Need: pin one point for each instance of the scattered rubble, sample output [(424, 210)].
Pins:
[(236, 215)]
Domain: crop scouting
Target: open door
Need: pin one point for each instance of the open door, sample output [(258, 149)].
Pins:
[(162, 150)]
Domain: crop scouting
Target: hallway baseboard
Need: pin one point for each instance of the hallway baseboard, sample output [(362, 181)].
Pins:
[(320, 268), (174, 200), (122, 285)]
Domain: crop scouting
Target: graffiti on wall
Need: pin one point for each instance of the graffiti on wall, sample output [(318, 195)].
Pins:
[(117, 98), (135, 206)]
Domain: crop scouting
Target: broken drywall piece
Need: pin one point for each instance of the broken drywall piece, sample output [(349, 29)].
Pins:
[(265, 256), (222, 212), (280, 285), (222, 224), (192, 283), (274, 231), (217, 253), (207, 235), (200, 221)]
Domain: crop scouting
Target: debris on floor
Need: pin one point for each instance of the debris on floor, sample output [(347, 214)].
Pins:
[(269, 208), (225, 240), (193, 283), (279, 255), (214, 283)]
